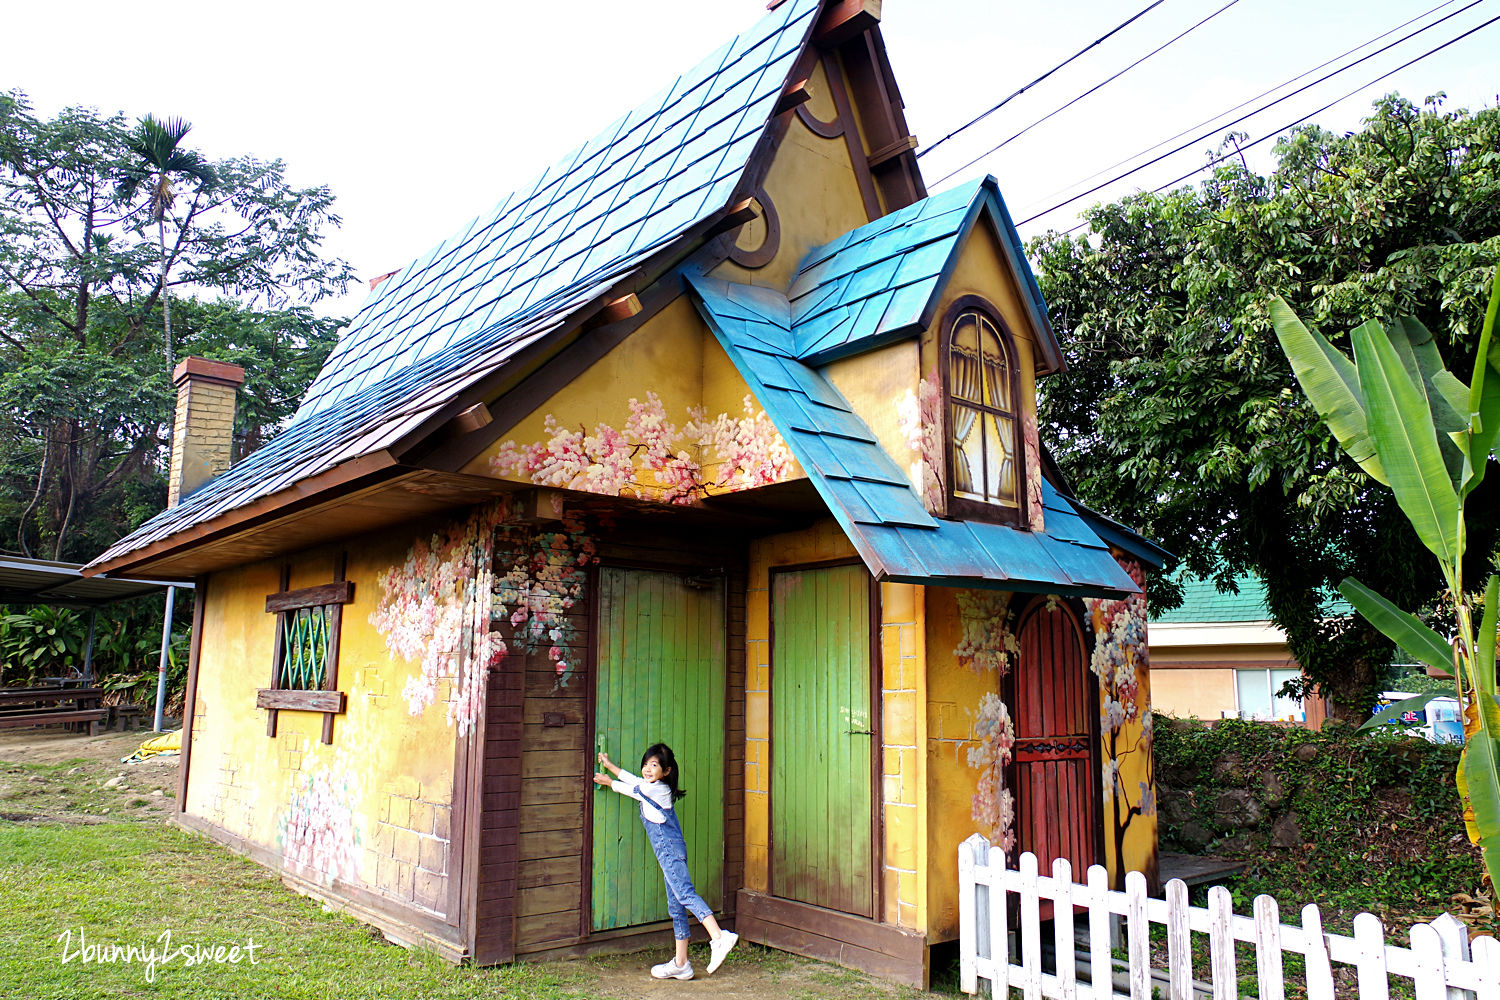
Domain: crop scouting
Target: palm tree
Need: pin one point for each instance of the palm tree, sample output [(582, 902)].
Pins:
[(160, 162)]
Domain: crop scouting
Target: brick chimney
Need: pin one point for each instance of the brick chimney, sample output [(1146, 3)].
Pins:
[(203, 431)]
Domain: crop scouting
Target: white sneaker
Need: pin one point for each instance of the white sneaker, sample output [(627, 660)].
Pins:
[(717, 950), (671, 970)]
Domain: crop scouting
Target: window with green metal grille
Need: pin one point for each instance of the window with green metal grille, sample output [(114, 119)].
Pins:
[(305, 641)]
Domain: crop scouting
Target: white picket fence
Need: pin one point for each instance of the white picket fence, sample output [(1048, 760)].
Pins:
[(1439, 962)]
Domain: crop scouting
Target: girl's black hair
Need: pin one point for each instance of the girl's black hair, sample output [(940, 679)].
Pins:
[(668, 762)]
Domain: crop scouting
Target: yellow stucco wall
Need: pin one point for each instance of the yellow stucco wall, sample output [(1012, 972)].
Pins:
[(901, 794), (372, 808), (871, 382), (675, 368), (958, 697), (812, 184)]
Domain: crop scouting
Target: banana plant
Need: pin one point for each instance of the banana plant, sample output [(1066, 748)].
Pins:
[(1417, 428)]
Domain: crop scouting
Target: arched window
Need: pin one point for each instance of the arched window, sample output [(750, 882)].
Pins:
[(985, 458)]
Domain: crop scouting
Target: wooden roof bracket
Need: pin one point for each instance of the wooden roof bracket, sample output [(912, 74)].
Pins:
[(892, 150), (846, 19), (794, 95)]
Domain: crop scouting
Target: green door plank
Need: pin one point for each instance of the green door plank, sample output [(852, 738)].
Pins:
[(660, 679), (821, 792)]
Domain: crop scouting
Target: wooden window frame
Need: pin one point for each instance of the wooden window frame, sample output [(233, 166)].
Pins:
[(964, 507), (329, 700)]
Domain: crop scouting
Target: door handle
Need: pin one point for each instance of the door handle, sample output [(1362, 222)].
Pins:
[(859, 732)]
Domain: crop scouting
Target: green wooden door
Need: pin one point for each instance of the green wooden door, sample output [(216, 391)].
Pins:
[(821, 740), (660, 680)]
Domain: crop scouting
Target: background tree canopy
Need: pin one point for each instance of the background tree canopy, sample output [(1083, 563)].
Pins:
[(1179, 414), (88, 256)]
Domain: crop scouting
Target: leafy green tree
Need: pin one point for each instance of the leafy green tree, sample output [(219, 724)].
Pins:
[(1179, 413), (161, 165), (86, 267)]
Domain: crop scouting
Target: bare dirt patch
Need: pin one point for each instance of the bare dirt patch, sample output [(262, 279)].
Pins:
[(751, 973), (51, 776)]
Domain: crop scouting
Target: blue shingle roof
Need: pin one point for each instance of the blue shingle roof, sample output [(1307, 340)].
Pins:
[(881, 282), (869, 495), (517, 273), (645, 178)]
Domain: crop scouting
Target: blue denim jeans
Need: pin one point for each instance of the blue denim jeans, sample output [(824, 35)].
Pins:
[(671, 853)]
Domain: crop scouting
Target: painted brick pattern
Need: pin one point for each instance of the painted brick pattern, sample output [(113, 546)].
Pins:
[(230, 805), (902, 718), (202, 436), (411, 855), (757, 737)]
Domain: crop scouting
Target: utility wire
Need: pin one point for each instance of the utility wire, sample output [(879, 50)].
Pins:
[(1001, 145), (1267, 107), (1247, 101), (1097, 42), (1238, 148)]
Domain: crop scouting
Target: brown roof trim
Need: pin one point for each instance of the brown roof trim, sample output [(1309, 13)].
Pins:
[(343, 478), (202, 369)]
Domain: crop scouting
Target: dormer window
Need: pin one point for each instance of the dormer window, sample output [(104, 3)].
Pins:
[(985, 464)]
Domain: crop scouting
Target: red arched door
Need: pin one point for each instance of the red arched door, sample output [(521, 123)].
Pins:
[(1056, 713)]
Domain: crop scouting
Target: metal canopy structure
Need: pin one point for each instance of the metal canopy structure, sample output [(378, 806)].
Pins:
[(62, 584)]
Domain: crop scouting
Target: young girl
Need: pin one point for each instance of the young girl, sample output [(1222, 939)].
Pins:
[(656, 788)]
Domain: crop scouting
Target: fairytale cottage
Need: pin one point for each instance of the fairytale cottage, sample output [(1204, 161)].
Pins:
[(722, 432)]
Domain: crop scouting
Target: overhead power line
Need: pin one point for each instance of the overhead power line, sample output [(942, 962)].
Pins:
[(1250, 100), (1219, 159), (1092, 45), (1006, 142), (1267, 107)]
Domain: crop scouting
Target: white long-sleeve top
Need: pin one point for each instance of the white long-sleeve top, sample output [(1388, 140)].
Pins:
[(654, 796)]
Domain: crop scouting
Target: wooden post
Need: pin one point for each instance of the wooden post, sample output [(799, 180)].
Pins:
[(1369, 938), (1101, 970), (1221, 944), (1486, 959), (1268, 948), (1062, 926), (1031, 930), (999, 917), (1179, 942), (1431, 977), (1455, 940), (1137, 934), (968, 940), (1319, 968)]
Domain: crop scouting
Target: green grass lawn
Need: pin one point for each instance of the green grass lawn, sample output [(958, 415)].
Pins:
[(127, 883), (97, 862)]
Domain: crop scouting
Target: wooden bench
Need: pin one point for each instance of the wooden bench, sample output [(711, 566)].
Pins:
[(51, 706)]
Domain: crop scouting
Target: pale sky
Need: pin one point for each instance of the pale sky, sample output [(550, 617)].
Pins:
[(420, 116)]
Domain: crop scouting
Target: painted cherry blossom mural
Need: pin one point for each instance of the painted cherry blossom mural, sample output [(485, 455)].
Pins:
[(987, 646), (541, 574), (317, 829), (1120, 663), (919, 415), (986, 642), (477, 591), (434, 610), (1033, 445), (653, 458), (994, 807)]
